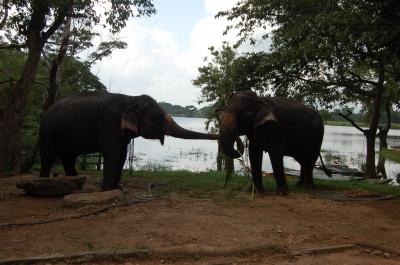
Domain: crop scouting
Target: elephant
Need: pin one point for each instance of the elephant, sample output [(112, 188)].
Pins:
[(275, 125), (103, 122)]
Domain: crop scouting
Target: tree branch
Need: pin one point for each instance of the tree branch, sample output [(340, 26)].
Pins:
[(389, 121), (347, 117), (13, 46), (46, 60), (348, 84), (4, 19), (41, 84), (7, 81), (361, 80), (62, 13)]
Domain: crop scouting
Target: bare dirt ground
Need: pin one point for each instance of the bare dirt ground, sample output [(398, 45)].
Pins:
[(275, 225)]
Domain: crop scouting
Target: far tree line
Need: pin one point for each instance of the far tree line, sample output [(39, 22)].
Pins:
[(327, 54), (358, 115)]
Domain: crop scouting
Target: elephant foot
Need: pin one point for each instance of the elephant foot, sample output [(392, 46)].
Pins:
[(260, 189), (105, 187), (283, 191), (308, 186), (299, 184)]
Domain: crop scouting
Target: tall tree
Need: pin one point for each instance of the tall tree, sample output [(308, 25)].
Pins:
[(30, 26), (327, 52), (222, 76)]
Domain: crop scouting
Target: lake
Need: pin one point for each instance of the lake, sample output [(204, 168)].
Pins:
[(342, 144)]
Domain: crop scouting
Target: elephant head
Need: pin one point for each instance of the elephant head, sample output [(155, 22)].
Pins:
[(244, 115), (145, 118)]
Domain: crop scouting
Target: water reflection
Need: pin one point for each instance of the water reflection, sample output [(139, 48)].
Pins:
[(341, 144)]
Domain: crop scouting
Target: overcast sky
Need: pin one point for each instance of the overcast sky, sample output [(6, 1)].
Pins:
[(165, 50)]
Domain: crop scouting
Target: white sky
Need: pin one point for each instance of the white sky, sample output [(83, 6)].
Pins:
[(165, 50)]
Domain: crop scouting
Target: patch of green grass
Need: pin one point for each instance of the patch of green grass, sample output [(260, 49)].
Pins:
[(391, 154), (211, 184), (331, 185), (199, 185), (90, 245), (143, 249)]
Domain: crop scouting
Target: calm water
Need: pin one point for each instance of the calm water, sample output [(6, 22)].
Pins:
[(342, 144)]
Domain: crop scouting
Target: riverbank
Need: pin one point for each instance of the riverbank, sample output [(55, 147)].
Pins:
[(332, 123), (361, 124), (181, 217)]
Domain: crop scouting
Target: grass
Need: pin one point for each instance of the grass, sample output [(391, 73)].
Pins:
[(211, 184), (200, 185), (391, 154)]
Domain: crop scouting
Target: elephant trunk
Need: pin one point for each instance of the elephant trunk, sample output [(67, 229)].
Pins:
[(228, 136), (174, 130)]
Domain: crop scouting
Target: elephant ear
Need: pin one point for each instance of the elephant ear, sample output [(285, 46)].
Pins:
[(129, 120), (265, 114)]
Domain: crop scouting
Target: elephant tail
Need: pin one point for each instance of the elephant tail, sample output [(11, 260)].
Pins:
[(327, 171)]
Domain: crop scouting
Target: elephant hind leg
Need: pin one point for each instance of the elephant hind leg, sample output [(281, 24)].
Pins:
[(306, 176), (47, 157), (68, 162)]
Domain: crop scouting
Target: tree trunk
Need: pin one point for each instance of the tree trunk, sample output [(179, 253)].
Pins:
[(373, 127), (370, 160), (383, 133), (12, 119), (56, 65), (54, 86), (220, 157), (99, 162)]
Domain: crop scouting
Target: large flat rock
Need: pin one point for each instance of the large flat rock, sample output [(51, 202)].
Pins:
[(55, 186), (79, 199)]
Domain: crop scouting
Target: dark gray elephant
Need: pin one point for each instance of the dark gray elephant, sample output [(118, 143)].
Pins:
[(277, 126), (103, 122)]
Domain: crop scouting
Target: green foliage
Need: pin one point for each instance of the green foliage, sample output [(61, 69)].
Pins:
[(222, 76), (323, 51), (111, 14), (75, 77)]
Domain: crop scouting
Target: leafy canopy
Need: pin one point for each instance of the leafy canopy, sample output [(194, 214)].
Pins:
[(324, 51)]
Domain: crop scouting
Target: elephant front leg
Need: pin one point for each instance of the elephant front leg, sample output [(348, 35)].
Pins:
[(255, 155), (114, 160), (279, 174)]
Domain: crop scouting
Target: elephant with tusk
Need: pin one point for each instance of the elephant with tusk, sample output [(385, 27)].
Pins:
[(275, 125), (103, 122)]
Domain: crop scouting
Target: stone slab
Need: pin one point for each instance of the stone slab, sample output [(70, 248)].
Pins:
[(55, 186), (79, 199)]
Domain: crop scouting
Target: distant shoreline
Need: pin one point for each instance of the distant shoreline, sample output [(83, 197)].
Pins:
[(395, 126)]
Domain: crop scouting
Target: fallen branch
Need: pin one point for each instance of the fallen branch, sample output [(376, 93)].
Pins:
[(175, 251), (372, 246), (188, 250), (318, 250), (94, 212), (347, 117)]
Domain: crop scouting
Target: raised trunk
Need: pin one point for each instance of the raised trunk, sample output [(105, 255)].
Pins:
[(174, 130), (228, 137)]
